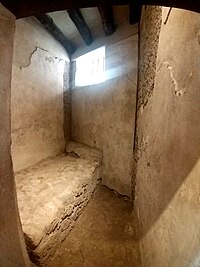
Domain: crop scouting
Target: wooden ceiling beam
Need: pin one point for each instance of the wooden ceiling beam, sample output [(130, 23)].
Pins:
[(49, 24), (79, 21), (107, 19), (135, 9), (25, 8)]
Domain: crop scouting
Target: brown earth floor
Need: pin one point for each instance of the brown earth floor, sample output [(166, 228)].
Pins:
[(104, 235)]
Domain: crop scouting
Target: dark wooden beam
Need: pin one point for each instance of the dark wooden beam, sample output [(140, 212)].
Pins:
[(25, 8), (49, 24), (135, 9), (78, 19), (107, 19)]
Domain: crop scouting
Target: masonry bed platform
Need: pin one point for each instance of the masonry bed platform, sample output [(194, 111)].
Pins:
[(51, 196)]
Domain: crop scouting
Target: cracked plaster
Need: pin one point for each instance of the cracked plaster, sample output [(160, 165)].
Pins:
[(36, 95), (168, 147), (50, 59)]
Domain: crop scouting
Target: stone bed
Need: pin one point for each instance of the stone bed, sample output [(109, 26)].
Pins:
[(51, 196)]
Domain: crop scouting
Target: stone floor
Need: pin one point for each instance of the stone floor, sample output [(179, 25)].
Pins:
[(104, 235)]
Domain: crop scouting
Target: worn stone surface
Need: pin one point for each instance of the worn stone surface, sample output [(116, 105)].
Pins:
[(104, 235), (167, 179), (51, 195), (103, 115), (85, 152), (12, 246), (36, 95)]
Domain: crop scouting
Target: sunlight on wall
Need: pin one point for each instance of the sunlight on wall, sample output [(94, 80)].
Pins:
[(178, 225), (90, 68)]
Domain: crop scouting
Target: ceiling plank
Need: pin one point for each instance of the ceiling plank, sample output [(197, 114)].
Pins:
[(49, 24), (79, 21), (107, 19), (135, 9), (25, 8)]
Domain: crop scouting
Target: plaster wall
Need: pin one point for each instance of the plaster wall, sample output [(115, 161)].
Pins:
[(39, 62), (103, 115), (167, 141), (12, 246)]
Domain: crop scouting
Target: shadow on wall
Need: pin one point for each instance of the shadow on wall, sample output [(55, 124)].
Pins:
[(103, 114), (168, 139)]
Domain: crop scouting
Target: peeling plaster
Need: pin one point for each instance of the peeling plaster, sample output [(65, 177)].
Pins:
[(168, 167), (36, 96), (34, 51), (178, 92)]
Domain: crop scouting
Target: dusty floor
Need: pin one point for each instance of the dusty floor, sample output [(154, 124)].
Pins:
[(104, 235)]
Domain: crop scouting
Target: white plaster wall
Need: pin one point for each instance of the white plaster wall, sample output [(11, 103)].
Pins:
[(103, 115), (36, 95)]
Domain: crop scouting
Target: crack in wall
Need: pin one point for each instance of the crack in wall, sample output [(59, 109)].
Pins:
[(126, 198), (33, 52), (131, 80), (178, 92)]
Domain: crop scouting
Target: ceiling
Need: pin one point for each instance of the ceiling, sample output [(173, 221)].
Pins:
[(93, 20), (84, 25)]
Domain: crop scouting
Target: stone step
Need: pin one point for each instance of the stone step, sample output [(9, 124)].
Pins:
[(51, 195), (84, 151)]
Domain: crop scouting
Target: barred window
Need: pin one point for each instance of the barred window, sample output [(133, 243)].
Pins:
[(90, 68)]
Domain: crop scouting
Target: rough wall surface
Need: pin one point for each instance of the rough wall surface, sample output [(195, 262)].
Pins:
[(103, 115), (37, 95), (168, 148), (12, 246), (150, 29)]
